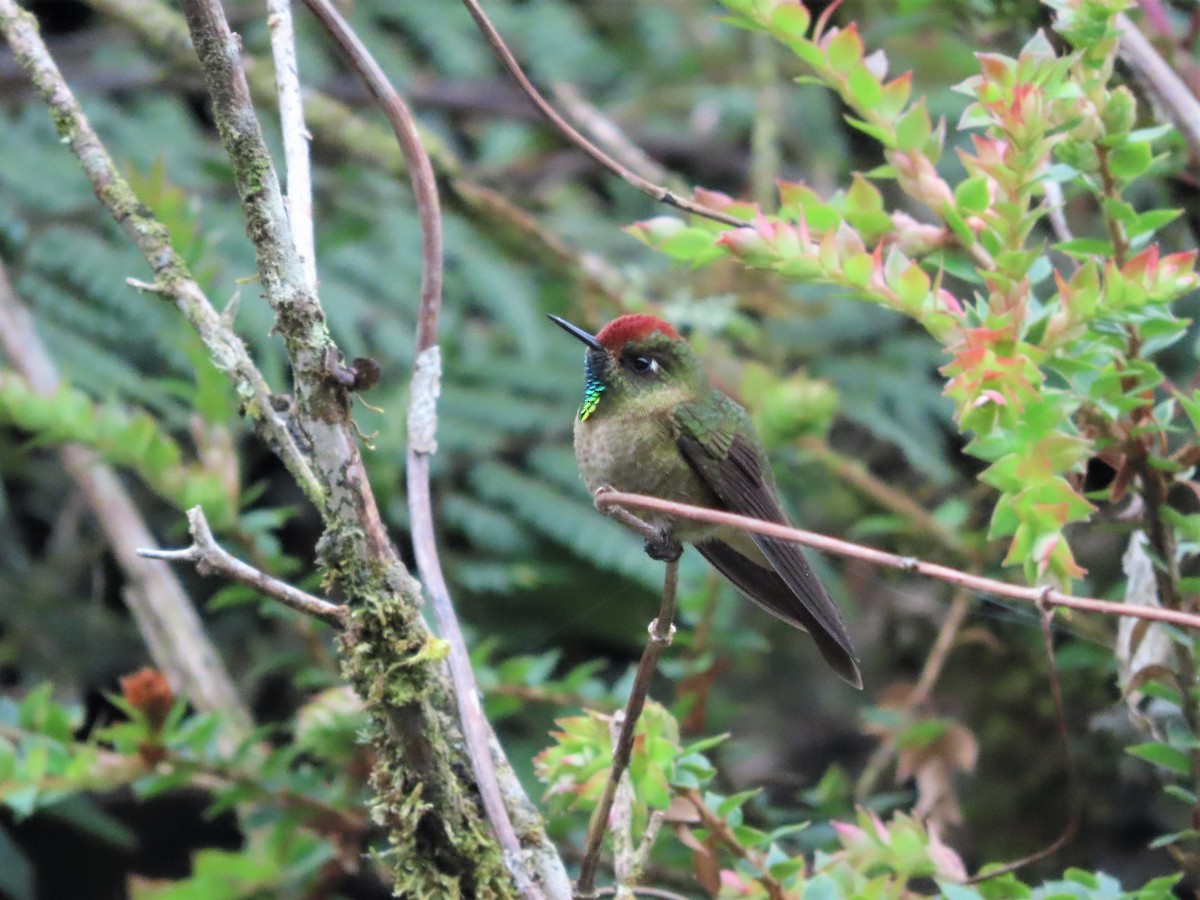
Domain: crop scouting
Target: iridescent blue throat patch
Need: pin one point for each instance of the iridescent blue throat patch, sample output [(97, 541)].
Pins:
[(592, 389)]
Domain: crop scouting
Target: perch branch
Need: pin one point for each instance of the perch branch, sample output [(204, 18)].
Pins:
[(608, 499), (172, 278), (661, 631), (422, 435), (164, 613), (295, 135), (211, 558), (659, 193)]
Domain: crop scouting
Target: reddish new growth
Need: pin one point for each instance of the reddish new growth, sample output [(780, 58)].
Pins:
[(148, 691), (620, 331)]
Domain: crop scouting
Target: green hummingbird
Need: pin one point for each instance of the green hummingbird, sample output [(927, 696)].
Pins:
[(652, 424)]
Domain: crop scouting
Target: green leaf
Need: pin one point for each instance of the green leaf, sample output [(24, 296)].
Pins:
[(1163, 756), (1130, 160), (913, 129), (845, 50), (972, 196)]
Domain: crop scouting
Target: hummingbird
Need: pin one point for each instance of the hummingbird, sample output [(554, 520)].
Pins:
[(651, 423)]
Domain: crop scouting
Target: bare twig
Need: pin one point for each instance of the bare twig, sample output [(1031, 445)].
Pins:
[(661, 631), (295, 135), (942, 644), (659, 193), (164, 613), (210, 558), (978, 583), (930, 672), (1056, 212), (172, 277), (1176, 99), (720, 830), (608, 134), (422, 435)]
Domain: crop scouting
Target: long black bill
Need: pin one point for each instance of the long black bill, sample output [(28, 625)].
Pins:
[(578, 332)]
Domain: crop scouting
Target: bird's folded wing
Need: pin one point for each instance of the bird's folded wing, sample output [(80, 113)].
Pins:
[(728, 461)]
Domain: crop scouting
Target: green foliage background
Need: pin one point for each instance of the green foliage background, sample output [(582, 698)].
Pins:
[(534, 569)]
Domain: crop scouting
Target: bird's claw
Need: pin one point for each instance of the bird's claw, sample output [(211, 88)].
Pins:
[(662, 546)]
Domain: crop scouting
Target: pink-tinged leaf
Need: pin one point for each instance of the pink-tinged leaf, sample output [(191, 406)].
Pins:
[(1144, 263), (843, 48), (996, 68), (949, 865), (850, 835), (864, 88), (789, 22), (849, 243), (878, 270), (881, 831), (724, 203), (894, 96), (1043, 550), (913, 285), (950, 302), (989, 396), (743, 242)]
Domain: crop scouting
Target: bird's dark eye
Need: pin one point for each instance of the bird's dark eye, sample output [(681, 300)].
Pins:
[(641, 363)]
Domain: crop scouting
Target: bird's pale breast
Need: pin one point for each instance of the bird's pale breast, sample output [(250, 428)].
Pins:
[(636, 452)]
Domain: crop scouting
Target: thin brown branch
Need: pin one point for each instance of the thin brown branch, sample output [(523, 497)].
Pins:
[(422, 441), (724, 835), (661, 630), (608, 134), (930, 672), (976, 583), (940, 651), (164, 613), (210, 558), (659, 193)]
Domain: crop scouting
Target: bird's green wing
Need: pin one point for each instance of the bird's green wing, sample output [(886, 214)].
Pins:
[(717, 438)]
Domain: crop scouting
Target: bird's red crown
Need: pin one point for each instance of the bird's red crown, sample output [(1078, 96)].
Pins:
[(620, 331)]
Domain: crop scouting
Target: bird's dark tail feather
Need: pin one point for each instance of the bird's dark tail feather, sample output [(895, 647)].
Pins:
[(805, 605)]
